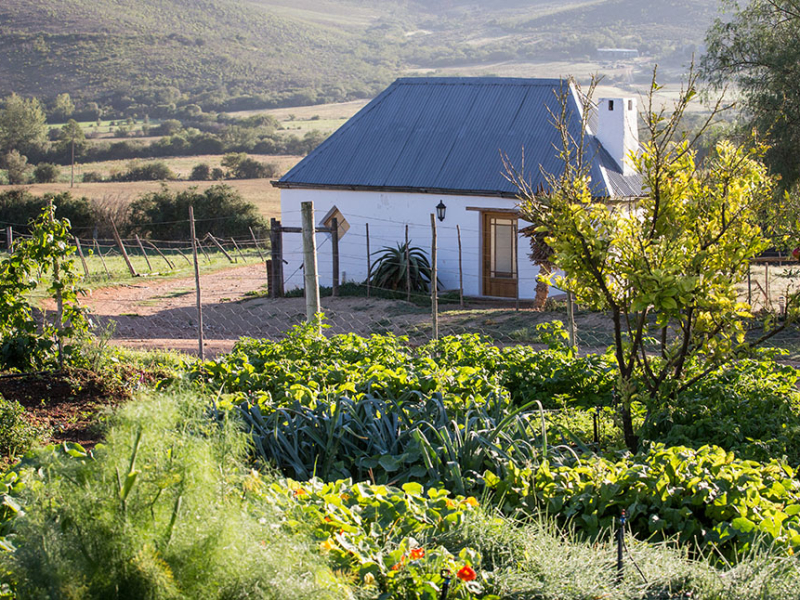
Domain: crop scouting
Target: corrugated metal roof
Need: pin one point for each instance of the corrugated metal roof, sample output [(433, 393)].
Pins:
[(447, 134)]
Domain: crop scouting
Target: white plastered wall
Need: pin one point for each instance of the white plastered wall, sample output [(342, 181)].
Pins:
[(387, 214)]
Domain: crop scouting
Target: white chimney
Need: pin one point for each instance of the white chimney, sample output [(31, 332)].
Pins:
[(618, 130)]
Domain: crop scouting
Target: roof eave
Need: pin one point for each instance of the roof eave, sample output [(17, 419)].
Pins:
[(288, 185)]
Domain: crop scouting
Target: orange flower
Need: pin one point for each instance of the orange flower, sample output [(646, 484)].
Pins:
[(398, 566), (450, 503), (417, 553), (471, 501), (466, 574), (299, 492)]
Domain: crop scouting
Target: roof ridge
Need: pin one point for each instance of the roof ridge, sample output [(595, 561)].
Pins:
[(482, 80)]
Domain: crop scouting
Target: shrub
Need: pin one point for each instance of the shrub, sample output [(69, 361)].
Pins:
[(92, 177), (17, 168), (201, 172), (219, 209), (164, 510), (250, 168), (153, 171), (704, 495), (46, 173), (17, 435), (751, 407), (168, 127), (20, 206), (217, 174)]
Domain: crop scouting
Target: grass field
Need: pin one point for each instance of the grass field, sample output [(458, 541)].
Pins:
[(111, 270), (258, 191), (180, 165)]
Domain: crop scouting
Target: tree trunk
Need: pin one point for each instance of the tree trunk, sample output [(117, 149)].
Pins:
[(542, 288), (631, 440)]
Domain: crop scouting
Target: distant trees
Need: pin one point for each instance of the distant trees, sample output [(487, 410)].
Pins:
[(63, 108), (757, 49), (152, 171), (219, 209), (201, 172), (23, 125), (46, 173), (17, 167), (241, 166)]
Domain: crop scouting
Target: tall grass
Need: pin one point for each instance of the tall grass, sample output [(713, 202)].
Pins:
[(163, 511), (540, 561)]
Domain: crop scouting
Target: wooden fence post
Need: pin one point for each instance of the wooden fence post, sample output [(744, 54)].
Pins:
[(335, 256), (203, 249), (408, 269), (59, 299), (369, 263), (102, 258), (310, 261), (10, 239), (122, 249), (276, 242), (161, 254), (83, 258), (197, 284), (434, 277), (516, 265), (221, 249), (255, 243), (236, 246), (572, 332), (141, 247), (460, 270)]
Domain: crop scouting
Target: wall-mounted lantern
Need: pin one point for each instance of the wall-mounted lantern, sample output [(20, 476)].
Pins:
[(440, 210)]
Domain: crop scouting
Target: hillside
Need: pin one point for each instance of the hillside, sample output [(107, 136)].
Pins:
[(135, 55), (208, 49)]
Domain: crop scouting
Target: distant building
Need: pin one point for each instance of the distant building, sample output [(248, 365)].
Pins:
[(612, 54), (429, 140)]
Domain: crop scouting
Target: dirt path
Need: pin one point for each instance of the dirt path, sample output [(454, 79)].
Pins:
[(152, 313)]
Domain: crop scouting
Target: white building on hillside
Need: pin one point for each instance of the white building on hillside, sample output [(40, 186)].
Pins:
[(426, 141)]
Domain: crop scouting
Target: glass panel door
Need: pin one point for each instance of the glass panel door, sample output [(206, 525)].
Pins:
[(500, 255)]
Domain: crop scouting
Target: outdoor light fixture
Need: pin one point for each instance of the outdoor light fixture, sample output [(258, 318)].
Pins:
[(440, 210)]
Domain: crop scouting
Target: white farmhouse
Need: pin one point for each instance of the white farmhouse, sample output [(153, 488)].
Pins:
[(426, 141)]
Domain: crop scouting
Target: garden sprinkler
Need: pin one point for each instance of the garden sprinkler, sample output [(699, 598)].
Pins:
[(447, 576)]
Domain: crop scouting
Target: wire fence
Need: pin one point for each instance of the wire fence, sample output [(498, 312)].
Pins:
[(144, 293)]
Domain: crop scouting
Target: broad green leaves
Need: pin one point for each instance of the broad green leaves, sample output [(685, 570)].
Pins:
[(703, 495)]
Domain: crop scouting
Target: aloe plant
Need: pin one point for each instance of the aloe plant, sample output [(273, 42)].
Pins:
[(390, 269)]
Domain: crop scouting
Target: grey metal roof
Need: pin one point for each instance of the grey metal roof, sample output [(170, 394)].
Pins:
[(446, 135)]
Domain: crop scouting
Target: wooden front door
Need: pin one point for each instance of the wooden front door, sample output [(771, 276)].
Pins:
[(500, 276)]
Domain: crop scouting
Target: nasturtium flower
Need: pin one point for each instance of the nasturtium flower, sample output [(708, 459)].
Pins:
[(466, 574), (471, 501), (417, 553), (328, 545)]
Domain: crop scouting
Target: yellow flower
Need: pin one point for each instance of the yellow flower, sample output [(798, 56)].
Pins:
[(328, 545), (471, 501)]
